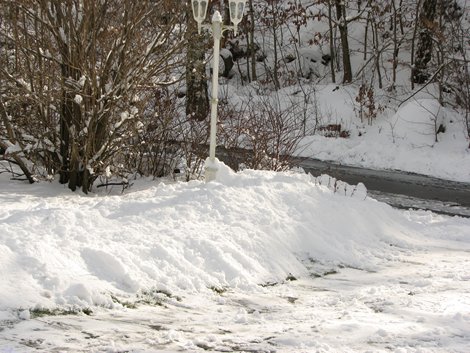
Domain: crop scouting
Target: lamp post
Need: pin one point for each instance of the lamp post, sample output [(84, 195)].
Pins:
[(237, 8)]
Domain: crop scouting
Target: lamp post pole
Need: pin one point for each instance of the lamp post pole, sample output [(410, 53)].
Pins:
[(211, 168), (236, 7)]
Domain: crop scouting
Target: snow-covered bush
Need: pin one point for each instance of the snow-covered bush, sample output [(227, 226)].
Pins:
[(77, 78)]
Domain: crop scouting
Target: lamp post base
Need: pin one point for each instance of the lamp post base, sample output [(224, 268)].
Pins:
[(211, 168), (210, 173)]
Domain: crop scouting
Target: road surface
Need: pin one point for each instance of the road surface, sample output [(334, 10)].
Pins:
[(400, 189)]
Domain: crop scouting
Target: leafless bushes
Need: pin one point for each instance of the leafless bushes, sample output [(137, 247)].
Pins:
[(77, 78), (367, 108), (262, 134), (166, 141)]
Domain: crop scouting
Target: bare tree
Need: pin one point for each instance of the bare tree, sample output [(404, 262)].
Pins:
[(262, 133), (342, 21)]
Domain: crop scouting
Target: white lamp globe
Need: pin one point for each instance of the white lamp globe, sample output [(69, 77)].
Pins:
[(237, 8), (199, 11)]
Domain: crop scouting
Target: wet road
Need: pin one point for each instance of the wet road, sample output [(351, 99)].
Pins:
[(401, 189)]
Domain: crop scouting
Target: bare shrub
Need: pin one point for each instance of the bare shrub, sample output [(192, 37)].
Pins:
[(193, 147), (367, 109), (154, 149), (262, 134), (75, 77)]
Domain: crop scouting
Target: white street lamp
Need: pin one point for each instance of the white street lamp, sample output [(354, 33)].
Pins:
[(199, 12), (237, 8)]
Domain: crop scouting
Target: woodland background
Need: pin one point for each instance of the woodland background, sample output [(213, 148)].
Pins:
[(91, 91)]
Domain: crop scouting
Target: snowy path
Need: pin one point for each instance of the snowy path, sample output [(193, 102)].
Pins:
[(421, 304)]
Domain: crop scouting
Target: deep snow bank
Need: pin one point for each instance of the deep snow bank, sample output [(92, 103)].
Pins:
[(243, 230)]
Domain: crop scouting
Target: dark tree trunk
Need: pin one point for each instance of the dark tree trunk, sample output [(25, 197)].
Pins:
[(69, 123), (251, 41), (64, 147), (343, 32), (274, 10), (332, 44), (197, 98), (423, 53), (396, 45)]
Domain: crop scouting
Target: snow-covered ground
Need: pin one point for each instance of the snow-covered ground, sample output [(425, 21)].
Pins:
[(253, 262), (403, 134), (418, 136), (399, 139)]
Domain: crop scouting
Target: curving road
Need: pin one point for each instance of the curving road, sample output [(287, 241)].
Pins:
[(400, 189)]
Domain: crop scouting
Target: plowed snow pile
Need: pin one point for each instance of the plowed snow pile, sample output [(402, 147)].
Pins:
[(243, 231), (254, 261)]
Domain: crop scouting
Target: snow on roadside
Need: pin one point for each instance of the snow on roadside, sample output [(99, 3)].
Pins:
[(241, 231), (404, 139)]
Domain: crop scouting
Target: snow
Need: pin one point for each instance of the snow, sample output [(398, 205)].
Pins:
[(253, 261), (78, 99), (399, 139), (12, 149), (311, 61)]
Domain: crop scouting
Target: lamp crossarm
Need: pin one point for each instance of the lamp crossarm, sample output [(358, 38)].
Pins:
[(228, 28), (225, 28)]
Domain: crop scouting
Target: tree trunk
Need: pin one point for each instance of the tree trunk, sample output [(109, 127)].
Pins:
[(366, 36), (425, 41), (69, 123), (343, 32), (396, 46), (251, 36), (274, 10), (332, 44), (375, 35), (197, 98)]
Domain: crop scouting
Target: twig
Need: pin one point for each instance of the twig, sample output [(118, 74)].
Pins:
[(113, 184), (424, 86)]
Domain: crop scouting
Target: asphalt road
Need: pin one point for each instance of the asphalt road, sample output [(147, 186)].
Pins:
[(401, 189)]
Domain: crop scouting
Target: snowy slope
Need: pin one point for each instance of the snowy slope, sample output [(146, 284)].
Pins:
[(403, 134), (254, 228), (399, 140)]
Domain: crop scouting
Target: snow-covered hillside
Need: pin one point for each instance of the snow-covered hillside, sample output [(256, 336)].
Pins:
[(414, 128), (404, 139)]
